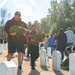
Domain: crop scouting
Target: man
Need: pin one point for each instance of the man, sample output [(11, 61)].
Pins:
[(51, 42), (70, 36), (15, 43), (34, 49)]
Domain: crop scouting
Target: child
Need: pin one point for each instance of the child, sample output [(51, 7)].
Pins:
[(34, 48), (65, 64)]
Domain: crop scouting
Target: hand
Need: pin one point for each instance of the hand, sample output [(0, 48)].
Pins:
[(13, 33)]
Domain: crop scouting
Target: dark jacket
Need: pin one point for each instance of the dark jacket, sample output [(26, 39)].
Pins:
[(61, 41), (11, 23)]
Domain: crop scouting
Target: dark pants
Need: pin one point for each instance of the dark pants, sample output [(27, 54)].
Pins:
[(28, 51), (34, 54), (15, 46), (62, 54)]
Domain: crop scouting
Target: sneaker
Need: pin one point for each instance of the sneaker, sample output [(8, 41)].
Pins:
[(33, 68), (20, 69)]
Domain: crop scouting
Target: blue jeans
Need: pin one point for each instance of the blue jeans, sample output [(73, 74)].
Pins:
[(52, 48)]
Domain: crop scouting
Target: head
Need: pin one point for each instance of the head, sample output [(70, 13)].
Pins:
[(34, 27), (68, 50), (47, 36), (61, 30), (17, 16), (51, 35), (69, 28)]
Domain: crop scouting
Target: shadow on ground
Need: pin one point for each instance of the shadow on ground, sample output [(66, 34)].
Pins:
[(44, 68), (19, 73), (34, 72), (58, 73)]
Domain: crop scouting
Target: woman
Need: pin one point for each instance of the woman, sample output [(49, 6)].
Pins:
[(61, 42)]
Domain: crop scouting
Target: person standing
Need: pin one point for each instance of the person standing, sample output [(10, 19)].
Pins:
[(70, 36), (1, 41), (61, 42), (34, 49), (46, 41), (15, 43), (51, 42)]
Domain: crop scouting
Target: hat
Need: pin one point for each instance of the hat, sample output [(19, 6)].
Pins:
[(17, 13), (69, 28)]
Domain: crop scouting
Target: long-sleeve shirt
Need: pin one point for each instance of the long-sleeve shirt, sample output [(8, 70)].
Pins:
[(70, 36), (11, 23)]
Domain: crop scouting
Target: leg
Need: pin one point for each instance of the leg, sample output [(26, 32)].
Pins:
[(20, 58), (52, 49), (36, 52), (20, 50), (32, 47), (9, 57), (11, 50), (32, 61), (20, 61), (62, 55), (28, 51)]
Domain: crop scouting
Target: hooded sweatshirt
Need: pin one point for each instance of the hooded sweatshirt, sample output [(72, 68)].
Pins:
[(11, 23)]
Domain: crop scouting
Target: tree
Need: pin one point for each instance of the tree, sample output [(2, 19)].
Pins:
[(3, 15), (37, 24), (29, 25)]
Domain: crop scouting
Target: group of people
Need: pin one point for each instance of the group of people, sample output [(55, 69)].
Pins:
[(64, 42), (16, 44)]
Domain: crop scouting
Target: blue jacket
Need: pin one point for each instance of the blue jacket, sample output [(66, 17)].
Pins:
[(51, 41)]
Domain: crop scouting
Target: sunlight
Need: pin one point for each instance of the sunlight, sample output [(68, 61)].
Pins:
[(3, 2)]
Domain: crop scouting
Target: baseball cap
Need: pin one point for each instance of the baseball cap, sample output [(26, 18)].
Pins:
[(17, 13)]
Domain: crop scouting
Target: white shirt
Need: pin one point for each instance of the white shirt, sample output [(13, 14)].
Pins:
[(70, 36)]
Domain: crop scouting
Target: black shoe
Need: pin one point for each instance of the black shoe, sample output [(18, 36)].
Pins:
[(33, 68), (20, 69), (27, 56)]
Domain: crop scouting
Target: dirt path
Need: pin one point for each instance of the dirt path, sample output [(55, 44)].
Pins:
[(39, 70)]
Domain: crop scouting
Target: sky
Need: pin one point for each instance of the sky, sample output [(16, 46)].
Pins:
[(31, 10)]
